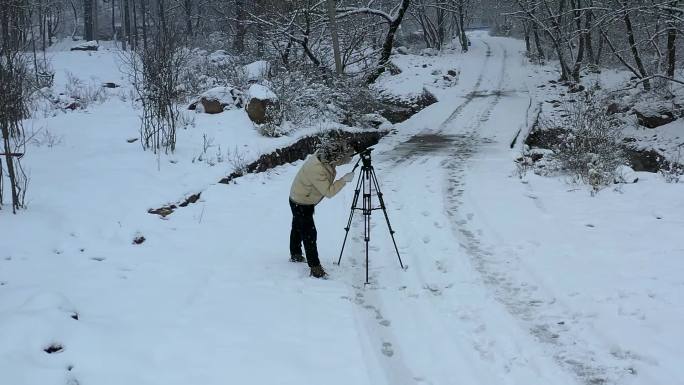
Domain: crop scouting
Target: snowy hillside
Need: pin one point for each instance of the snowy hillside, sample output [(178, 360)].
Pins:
[(508, 280)]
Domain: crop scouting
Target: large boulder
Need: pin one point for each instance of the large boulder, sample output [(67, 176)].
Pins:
[(257, 71), (625, 174), (218, 99), (653, 114), (397, 109), (219, 57), (86, 46), (263, 106)]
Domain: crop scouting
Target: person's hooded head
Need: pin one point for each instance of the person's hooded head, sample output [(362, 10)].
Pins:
[(334, 152)]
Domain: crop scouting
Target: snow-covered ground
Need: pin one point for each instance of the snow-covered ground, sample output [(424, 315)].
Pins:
[(507, 282)]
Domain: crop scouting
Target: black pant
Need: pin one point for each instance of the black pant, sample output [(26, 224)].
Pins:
[(304, 231)]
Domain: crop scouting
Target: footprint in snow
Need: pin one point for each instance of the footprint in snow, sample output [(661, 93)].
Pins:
[(426, 213), (54, 347), (387, 349), (426, 239)]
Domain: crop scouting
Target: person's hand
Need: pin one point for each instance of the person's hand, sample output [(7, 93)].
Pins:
[(348, 177)]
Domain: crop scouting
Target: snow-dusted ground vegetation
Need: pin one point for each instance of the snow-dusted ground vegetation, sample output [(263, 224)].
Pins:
[(530, 154)]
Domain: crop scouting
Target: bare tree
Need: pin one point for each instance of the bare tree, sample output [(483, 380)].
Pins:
[(156, 72), (13, 104)]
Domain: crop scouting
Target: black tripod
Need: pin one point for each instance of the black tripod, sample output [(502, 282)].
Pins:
[(367, 182)]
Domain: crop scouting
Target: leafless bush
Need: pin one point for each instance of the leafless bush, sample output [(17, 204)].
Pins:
[(85, 93), (238, 161), (523, 165), (207, 143), (186, 119), (590, 148), (44, 74), (274, 126), (14, 85), (306, 97), (204, 71), (156, 74), (675, 170), (45, 137)]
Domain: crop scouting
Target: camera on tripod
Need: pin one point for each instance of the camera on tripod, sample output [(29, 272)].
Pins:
[(364, 157)]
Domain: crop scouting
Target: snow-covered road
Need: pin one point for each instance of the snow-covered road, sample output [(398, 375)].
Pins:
[(438, 320), (507, 282)]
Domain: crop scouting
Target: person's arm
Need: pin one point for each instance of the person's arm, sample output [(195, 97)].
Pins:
[(321, 183)]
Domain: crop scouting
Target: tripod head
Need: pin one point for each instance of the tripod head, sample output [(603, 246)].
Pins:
[(364, 158)]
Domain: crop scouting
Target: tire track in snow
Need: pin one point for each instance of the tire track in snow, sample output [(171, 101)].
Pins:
[(472, 94), (409, 150), (520, 300)]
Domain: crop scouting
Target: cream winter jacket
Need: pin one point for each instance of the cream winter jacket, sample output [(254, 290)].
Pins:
[(314, 181)]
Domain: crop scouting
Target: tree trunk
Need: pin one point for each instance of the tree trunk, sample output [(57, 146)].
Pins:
[(126, 24), (577, 6), (588, 37), (389, 41), (134, 24), (162, 16), (305, 44), (440, 29), (526, 30), (285, 57), (559, 40), (461, 23), (88, 27), (187, 5), (96, 24), (41, 23), (240, 26), (114, 35), (143, 13), (537, 41), (75, 30), (333, 35), (671, 41), (633, 45)]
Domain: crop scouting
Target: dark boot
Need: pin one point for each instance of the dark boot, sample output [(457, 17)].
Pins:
[(318, 272), (297, 258)]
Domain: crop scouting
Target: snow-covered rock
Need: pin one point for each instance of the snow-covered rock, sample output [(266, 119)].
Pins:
[(375, 121), (402, 50), (429, 52), (219, 57), (625, 174), (653, 114), (87, 46), (218, 99), (257, 91), (262, 104), (257, 71)]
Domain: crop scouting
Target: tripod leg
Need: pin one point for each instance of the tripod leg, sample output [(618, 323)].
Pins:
[(384, 210), (357, 191), (367, 211)]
